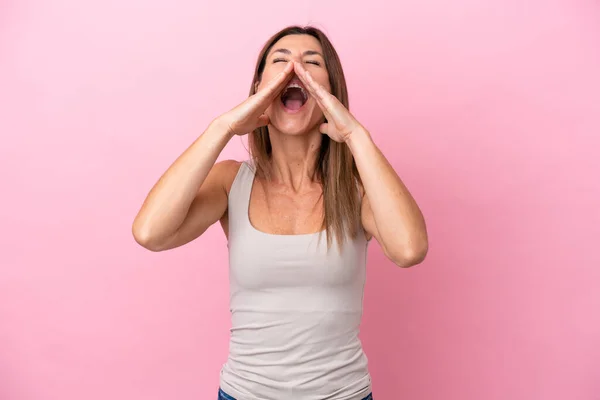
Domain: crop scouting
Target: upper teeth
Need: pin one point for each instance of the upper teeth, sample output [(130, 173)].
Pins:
[(296, 85)]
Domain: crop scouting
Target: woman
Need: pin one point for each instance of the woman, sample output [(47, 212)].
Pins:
[(298, 218)]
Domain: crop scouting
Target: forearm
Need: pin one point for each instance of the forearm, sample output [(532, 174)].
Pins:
[(168, 202), (398, 219)]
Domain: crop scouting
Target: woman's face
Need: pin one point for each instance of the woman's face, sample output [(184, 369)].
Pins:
[(295, 112)]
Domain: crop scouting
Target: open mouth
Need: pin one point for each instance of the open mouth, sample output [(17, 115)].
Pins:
[(294, 97)]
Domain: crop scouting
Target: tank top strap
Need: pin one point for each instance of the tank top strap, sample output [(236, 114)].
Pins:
[(239, 195)]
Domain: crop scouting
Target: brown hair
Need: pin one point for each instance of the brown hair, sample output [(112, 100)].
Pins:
[(335, 169)]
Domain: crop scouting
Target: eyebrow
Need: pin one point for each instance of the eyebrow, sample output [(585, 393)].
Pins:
[(306, 53)]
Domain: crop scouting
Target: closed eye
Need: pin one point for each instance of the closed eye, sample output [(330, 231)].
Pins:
[(314, 62)]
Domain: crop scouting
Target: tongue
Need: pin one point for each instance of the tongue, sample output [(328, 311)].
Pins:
[(293, 99), (293, 104)]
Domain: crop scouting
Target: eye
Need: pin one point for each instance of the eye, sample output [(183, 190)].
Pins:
[(314, 62), (279, 60)]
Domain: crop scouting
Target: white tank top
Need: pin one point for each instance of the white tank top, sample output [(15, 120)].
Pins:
[(295, 311)]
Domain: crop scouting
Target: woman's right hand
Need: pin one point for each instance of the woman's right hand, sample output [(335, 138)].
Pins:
[(249, 115)]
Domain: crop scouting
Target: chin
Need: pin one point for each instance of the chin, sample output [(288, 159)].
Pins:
[(293, 128), (295, 122)]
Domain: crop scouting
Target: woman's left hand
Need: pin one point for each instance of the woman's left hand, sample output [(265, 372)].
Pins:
[(340, 124)]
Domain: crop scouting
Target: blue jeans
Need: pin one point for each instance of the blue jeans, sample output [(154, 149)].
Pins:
[(225, 396)]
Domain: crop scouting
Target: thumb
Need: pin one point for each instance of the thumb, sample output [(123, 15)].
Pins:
[(323, 128), (263, 120)]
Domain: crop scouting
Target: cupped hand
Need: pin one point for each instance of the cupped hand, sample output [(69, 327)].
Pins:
[(340, 122), (250, 114)]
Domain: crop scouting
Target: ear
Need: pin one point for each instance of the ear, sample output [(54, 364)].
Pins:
[(256, 86)]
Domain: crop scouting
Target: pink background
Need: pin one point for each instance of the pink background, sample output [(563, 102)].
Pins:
[(489, 110)]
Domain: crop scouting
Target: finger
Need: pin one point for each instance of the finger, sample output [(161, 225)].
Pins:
[(323, 108), (302, 74), (332, 107), (314, 87), (276, 85), (300, 71), (262, 99), (326, 101)]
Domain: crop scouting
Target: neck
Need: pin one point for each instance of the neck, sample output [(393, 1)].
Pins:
[(294, 158)]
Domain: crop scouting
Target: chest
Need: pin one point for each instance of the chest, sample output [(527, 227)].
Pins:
[(283, 211)]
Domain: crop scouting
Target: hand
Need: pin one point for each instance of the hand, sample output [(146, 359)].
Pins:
[(249, 115), (340, 123)]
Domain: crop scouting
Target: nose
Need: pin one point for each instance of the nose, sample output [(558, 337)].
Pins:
[(294, 55)]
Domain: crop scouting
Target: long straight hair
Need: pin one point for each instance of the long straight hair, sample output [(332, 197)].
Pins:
[(335, 169)]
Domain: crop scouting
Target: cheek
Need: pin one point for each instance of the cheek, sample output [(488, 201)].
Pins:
[(271, 72), (322, 78)]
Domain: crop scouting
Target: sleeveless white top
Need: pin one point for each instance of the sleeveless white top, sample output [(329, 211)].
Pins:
[(295, 308)]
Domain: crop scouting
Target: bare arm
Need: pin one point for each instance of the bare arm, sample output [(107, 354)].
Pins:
[(189, 197), (192, 194), (389, 212)]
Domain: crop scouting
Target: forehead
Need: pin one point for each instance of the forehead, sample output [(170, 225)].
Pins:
[(297, 44)]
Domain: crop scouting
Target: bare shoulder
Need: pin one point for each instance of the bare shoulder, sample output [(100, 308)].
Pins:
[(226, 171)]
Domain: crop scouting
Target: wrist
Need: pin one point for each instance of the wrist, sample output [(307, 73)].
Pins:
[(221, 125), (358, 139)]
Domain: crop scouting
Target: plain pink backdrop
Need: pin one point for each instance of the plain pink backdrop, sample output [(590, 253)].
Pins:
[(489, 111)]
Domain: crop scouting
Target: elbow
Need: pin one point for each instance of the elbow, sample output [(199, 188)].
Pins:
[(409, 256), (143, 236)]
